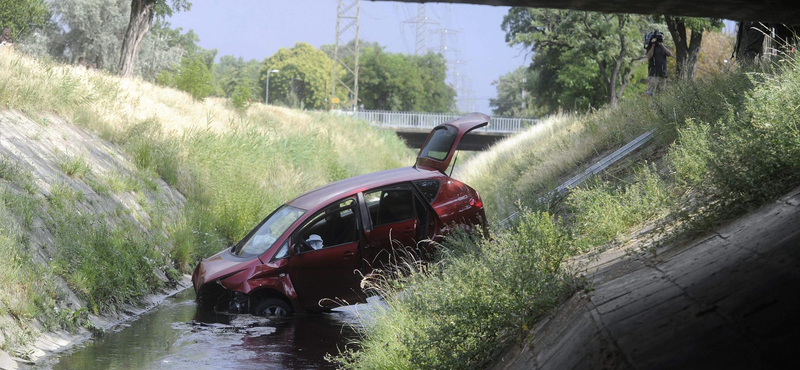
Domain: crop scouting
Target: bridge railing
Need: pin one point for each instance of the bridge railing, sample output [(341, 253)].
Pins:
[(427, 121)]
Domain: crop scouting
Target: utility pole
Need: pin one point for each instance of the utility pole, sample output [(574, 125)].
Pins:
[(347, 12), (421, 23)]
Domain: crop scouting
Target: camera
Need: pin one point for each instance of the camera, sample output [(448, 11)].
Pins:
[(653, 35)]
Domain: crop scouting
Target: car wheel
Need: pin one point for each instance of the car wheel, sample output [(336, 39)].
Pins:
[(271, 307)]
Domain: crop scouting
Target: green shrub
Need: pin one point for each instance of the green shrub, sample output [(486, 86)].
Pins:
[(462, 311), (104, 265), (74, 166), (192, 76), (604, 212)]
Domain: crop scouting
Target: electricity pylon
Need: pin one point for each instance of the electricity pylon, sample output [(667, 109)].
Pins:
[(347, 13)]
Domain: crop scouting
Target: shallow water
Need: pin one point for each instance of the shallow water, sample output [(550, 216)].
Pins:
[(179, 335)]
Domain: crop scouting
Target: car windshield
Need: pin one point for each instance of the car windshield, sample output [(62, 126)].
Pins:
[(269, 232)]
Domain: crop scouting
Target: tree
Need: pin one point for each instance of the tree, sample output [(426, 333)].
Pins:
[(687, 33), (233, 74), (141, 18), (388, 81), (94, 29), (401, 82), (437, 95), (565, 40), (23, 16), (510, 89), (304, 74), (193, 75)]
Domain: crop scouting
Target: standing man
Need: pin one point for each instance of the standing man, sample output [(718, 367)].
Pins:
[(657, 55), (5, 38)]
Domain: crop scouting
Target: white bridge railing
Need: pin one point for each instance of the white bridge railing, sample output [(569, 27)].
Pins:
[(427, 121)]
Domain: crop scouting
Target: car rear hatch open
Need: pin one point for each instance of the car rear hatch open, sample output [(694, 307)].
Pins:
[(442, 143)]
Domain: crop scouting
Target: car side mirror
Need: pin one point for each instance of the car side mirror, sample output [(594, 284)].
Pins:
[(296, 248)]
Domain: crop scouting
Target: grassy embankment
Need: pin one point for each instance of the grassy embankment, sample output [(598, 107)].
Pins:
[(725, 145), (232, 166)]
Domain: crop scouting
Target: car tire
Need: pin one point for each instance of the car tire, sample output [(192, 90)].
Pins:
[(271, 307)]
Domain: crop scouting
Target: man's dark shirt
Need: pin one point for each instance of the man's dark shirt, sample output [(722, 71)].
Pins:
[(657, 65), (8, 39)]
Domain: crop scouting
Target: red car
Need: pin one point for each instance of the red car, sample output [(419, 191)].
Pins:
[(311, 253)]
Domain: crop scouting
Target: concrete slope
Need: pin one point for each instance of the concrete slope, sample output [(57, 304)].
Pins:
[(728, 300)]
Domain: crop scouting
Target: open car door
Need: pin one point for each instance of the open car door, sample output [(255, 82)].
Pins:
[(442, 142)]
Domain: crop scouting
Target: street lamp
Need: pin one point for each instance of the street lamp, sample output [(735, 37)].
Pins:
[(266, 95)]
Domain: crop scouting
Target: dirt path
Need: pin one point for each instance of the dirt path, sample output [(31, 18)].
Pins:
[(726, 301)]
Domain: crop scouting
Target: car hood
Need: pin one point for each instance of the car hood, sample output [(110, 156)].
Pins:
[(220, 266)]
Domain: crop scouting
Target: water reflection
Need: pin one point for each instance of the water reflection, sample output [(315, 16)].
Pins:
[(178, 335)]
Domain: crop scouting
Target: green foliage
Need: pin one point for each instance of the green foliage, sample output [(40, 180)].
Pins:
[(510, 87), (29, 289), (609, 210), (94, 30), (389, 81), (582, 59), (23, 16), (25, 207), (74, 166), (121, 183), (480, 297), (193, 76), (241, 96), (239, 80), (14, 173), (304, 71), (105, 265), (151, 150), (749, 155)]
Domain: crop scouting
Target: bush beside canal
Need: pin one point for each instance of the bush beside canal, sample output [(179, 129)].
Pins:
[(725, 145)]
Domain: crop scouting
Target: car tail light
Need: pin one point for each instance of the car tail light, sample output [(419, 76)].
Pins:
[(476, 202)]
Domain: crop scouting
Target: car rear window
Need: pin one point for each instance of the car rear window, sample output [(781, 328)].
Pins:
[(440, 143)]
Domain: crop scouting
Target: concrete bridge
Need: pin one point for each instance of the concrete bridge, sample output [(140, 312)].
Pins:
[(779, 11), (414, 127)]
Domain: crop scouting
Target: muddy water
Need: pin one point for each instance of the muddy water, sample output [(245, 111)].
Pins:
[(178, 335)]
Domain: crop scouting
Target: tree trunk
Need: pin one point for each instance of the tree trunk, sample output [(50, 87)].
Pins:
[(685, 53), (694, 52), (142, 13)]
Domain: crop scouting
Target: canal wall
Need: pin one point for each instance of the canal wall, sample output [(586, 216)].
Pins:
[(51, 166), (722, 300)]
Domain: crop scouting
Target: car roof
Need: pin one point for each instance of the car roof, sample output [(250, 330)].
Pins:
[(320, 196)]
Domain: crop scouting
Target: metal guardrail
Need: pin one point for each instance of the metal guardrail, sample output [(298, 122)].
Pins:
[(594, 169), (427, 121)]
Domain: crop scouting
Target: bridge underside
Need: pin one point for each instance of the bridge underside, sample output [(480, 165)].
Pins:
[(475, 141), (780, 11)]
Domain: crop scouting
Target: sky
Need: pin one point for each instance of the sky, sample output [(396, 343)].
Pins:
[(256, 29)]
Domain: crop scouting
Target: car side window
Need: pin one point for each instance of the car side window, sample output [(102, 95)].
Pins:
[(390, 206), (335, 225)]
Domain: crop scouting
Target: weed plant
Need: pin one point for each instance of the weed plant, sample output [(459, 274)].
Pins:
[(74, 166), (725, 145), (460, 312)]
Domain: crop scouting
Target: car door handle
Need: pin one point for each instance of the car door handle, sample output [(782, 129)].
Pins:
[(348, 254)]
